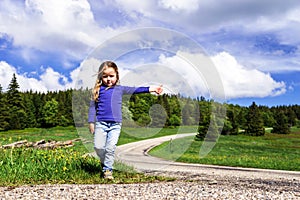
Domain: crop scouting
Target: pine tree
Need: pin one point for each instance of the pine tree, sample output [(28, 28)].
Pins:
[(158, 116), (30, 110), (255, 123), (50, 113), (167, 107), (69, 108), (205, 119), (4, 114), (291, 117), (281, 125), (231, 126), (16, 106), (189, 113), (80, 104), (241, 117)]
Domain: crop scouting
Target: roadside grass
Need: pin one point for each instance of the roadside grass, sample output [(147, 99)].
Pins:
[(25, 166), (272, 151)]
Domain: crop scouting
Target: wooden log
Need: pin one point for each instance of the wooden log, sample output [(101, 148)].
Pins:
[(41, 144), (15, 144)]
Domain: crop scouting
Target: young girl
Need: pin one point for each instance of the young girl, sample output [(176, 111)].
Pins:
[(105, 113)]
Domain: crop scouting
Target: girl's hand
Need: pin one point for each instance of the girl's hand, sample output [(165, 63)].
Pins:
[(92, 128), (156, 89)]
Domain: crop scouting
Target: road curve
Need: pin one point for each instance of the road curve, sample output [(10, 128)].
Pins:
[(136, 154)]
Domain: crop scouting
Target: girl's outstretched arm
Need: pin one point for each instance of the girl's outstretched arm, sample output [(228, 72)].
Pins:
[(156, 89)]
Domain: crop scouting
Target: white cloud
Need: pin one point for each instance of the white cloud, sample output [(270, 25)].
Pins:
[(240, 22), (176, 73), (52, 80), (69, 28), (49, 80), (242, 82), (219, 76), (25, 83), (86, 74), (237, 80), (6, 74), (64, 27), (188, 80), (207, 15), (179, 5), (55, 24)]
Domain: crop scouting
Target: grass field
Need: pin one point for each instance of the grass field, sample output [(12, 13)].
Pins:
[(19, 166), (272, 151)]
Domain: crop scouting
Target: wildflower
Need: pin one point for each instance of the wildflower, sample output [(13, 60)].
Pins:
[(65, 168)]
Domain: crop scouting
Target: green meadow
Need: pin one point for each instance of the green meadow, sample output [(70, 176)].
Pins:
[(26, 166), (271, 151)]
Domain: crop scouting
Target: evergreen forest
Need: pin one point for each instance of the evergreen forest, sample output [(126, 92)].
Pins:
[(20, 110)]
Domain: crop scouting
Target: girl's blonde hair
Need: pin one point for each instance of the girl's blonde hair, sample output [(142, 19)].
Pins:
[(103, 66)]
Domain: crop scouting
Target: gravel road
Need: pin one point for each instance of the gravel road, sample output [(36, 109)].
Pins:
[(194, 181)]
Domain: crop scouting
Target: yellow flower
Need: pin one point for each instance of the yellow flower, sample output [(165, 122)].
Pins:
[(65, 168)]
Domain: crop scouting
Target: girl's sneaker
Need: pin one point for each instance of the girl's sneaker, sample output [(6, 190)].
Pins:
[(108, 175)]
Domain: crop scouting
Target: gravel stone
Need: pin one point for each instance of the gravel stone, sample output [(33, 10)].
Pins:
[(186, 186)]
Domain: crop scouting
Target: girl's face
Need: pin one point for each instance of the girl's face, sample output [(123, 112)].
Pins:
[(109, 77)]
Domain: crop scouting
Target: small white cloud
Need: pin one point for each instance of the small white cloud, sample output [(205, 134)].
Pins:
[(6, 74), (85, 76), (25, 83), (185, 78), (52, 79), (179, 5)]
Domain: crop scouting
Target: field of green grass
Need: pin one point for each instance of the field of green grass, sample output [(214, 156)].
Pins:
[(23, 166), (272, 151), (19, 166)]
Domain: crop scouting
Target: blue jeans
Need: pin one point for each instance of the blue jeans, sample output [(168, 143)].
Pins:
[(105, 142)]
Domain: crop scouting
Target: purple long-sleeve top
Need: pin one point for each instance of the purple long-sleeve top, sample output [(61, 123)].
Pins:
[(109, 105)]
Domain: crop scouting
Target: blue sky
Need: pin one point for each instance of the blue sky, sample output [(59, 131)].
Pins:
[(253, 45)]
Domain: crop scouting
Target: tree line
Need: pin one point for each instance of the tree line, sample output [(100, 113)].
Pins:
[(19, 110), (30, 109)]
